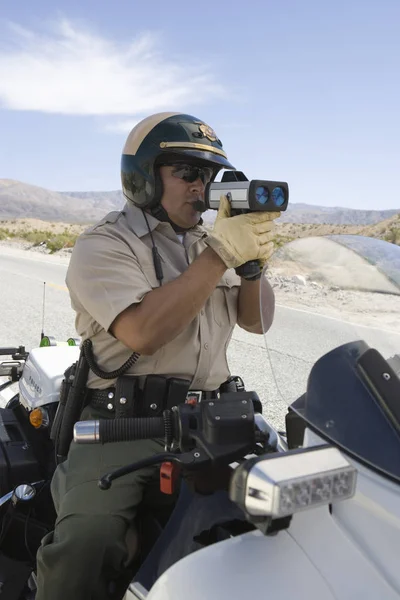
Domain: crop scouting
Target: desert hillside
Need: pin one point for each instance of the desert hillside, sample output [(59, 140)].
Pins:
[(57, 235), (53, 220), (388, 230), (20, 200)]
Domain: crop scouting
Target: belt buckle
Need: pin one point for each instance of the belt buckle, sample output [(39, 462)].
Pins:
[(193, 397)]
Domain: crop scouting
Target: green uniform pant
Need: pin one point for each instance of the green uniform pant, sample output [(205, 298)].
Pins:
[(88, 547)]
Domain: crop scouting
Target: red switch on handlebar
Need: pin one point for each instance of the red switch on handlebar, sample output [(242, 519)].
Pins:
[(169, 473)]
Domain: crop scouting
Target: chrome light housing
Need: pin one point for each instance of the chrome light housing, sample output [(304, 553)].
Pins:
[(280, 485)]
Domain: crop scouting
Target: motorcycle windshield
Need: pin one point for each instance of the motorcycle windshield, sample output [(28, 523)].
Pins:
[(336, 297)]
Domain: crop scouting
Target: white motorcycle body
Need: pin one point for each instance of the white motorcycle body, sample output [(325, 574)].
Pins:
[(41, 376), (43, 373), (349, 552)]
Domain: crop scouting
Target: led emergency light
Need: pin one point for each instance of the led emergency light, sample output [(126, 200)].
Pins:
[(281, 485)]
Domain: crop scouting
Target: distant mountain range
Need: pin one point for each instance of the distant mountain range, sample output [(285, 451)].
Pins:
[(19, 200)]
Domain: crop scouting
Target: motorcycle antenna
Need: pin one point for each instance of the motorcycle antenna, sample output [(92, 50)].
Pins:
[(44, 299)]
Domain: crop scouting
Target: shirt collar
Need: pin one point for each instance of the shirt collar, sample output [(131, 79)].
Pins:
[(137, 222)]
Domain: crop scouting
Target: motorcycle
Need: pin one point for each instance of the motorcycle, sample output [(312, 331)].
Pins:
[(312, 511), (203, 513)]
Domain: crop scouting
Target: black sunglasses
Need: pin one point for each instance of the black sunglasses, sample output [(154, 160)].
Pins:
[(191, 173)]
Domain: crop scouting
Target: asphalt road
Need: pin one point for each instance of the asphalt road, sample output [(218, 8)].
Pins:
[(296, 339)]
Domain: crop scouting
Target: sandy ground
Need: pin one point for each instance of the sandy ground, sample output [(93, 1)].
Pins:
[(20, 248), (359, 307), (327, 278)]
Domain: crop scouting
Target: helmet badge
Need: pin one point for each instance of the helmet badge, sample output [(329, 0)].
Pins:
[(208, 132)]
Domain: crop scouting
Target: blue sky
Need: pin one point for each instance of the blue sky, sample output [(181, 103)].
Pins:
[(302, 91)]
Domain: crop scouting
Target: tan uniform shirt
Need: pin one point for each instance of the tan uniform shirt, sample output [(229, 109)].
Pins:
[(112, 267)]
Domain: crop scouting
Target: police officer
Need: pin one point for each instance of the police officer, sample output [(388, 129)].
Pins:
[(149, 280)]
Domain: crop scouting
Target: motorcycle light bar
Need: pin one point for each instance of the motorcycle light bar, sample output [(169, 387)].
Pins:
[(281, 485)]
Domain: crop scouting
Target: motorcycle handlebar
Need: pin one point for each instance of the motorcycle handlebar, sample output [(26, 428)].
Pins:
[(104, 431), (226, 427), (8, 367), (9, 351)]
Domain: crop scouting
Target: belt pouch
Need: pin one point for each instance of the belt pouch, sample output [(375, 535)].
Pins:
[(177, 392), (126, 396), (154, 393)]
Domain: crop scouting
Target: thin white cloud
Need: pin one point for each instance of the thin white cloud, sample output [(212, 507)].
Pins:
[(121, 126), (73, 71)]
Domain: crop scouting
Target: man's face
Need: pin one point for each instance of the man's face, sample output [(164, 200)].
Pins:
[(182, 186)]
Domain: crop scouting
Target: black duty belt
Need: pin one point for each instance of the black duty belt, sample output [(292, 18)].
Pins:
[(106, 400)]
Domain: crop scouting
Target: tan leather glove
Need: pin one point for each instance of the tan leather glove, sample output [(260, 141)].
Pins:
[(246, 237)]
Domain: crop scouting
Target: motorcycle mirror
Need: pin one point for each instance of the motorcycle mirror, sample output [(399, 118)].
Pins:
[(23, 493)]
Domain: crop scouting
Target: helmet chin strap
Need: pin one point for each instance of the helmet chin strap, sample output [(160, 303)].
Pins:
[(161, 214)]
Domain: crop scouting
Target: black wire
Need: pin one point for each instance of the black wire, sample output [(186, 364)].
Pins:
[(168, 425), (44, 482), (156, 256), (105, 482), (26, 535), (6, 525), (88, 352)]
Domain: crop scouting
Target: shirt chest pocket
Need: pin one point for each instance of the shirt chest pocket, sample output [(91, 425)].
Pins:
[(169, 271), (224, 300), (150, 274)]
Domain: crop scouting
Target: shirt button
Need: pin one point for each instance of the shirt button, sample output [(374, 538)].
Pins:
[(206, 346)]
